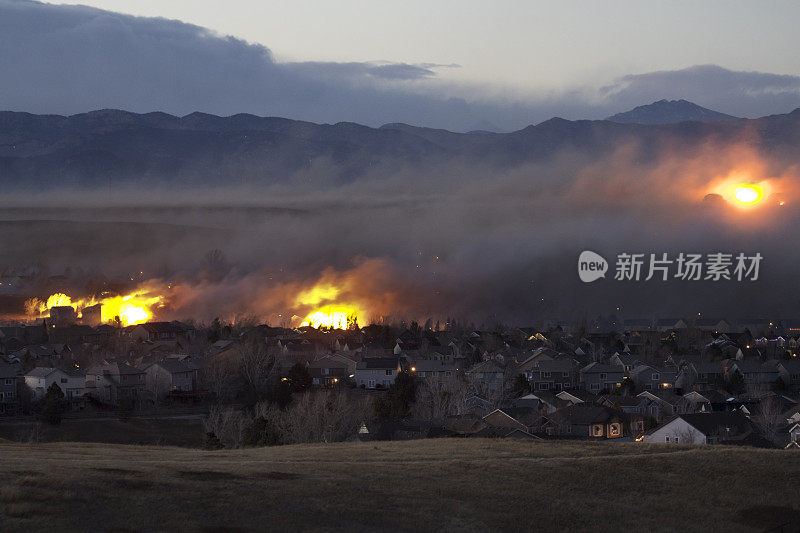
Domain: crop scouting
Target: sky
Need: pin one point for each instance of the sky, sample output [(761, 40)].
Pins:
[(529, 44), (458, 65)]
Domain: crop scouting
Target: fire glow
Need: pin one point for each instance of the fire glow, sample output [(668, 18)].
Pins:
[(332, 314), (135, 308), (748, 193)]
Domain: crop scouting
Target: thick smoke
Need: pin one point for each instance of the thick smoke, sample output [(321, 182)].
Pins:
[(458, 241)]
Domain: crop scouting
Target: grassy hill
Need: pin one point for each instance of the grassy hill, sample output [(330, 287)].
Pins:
[(450, 484)]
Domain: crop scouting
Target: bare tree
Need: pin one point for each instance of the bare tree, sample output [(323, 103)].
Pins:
[(256, 364), (767, 417), (437, 399), (218, 377), (317, 417), (689, 435), (227, 424)]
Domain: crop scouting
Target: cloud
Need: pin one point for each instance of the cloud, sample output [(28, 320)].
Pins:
[(743, 94), (361, 72), (69, 59)]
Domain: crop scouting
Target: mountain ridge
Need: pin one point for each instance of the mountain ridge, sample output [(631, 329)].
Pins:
[(115, 146), (670, 112)]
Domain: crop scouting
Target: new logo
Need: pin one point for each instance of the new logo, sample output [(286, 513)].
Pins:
[(591, 266)]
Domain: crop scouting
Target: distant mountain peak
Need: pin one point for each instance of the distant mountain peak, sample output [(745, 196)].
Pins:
[(670, 112)]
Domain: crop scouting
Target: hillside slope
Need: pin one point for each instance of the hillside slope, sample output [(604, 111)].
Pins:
[(462, 484)]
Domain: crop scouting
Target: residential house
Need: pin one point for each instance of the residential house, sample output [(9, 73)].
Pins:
[(9, 389), (553, 374), (329, 372), (377, 372), (633, 405), (501, 420), (730, 427), (116, 383), (624, 359), (666, 400), (574, 396), (546, 402), (597, 377), (587, 420), (72, 383), (647, 377), (758, 327), (487, 375), (432, 369), (170, 376), (715, 325), (710, 374), (668, 324), (154, 331), (790, 374), (637, 324), (757, 374)]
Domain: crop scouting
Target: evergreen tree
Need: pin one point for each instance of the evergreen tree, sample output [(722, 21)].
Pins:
[(299, 378), (398, 399), (53, 405)]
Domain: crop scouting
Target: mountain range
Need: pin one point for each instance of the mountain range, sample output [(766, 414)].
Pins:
[(111, 147)]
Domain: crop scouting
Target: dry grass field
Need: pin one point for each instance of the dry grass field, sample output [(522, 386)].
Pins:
[(446, 484), (146, 431)]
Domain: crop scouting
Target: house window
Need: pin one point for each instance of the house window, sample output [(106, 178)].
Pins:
[(595, 386), (543, 386), (9, 395), (655, 376), (326, 371), (666, 439), (597, 431), (9, 381), (675, 440), (565, 374), (388, 372), (63, 380), (603, 375), (545, 374)]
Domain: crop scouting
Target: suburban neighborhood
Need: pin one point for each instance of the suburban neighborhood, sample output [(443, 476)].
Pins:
[(666, 381)]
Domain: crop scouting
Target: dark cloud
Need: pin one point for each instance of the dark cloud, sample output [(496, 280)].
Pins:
[(71, 59)]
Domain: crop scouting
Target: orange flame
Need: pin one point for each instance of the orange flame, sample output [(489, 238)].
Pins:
[(134, 308)]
